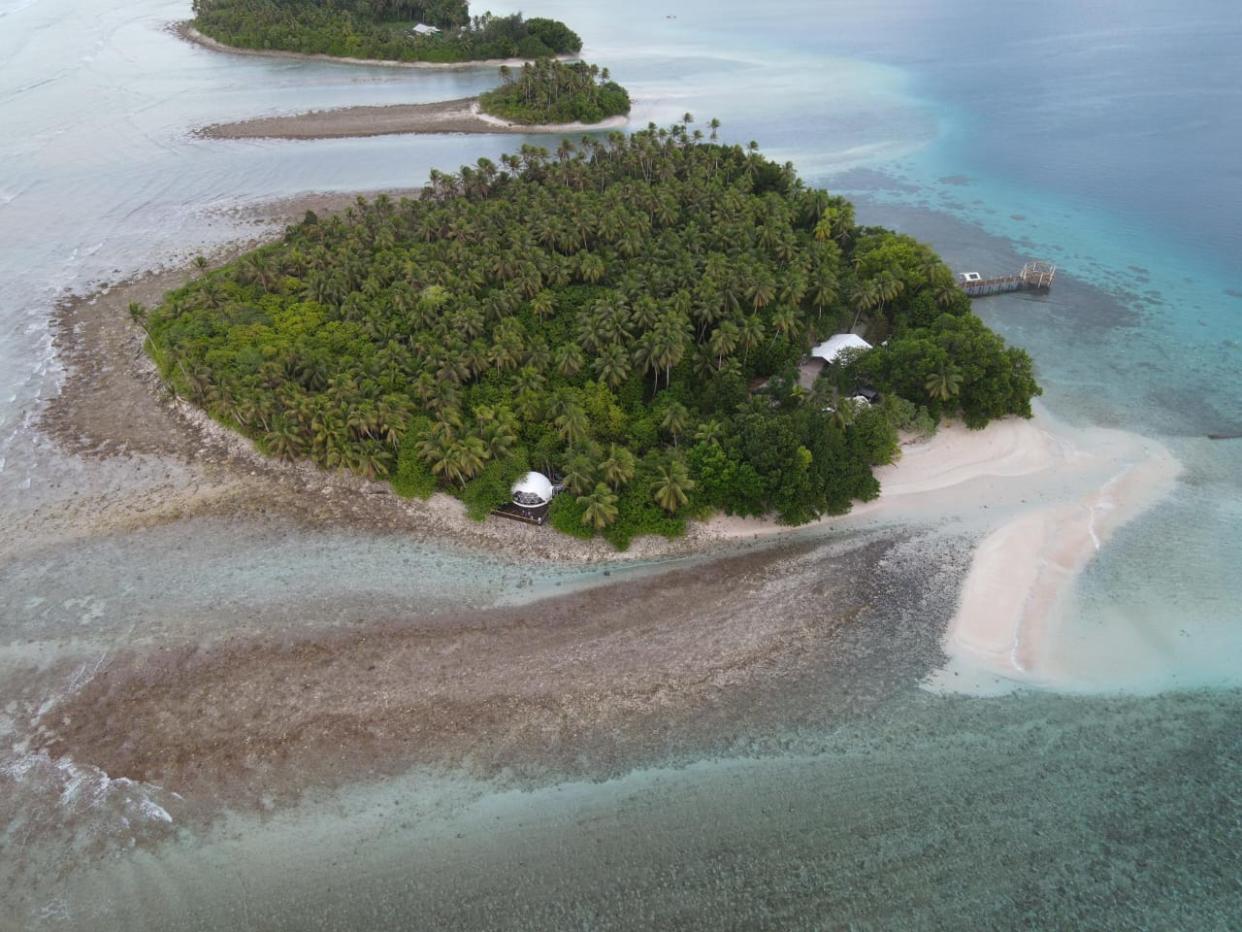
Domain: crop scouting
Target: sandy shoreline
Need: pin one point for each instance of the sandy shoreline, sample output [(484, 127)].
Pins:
[(112, 406), (187, 32), (1023, 574), (1057, 492), (1048, 494), (253, 704), (449, 116)]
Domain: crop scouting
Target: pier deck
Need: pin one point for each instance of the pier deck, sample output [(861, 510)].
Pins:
[(1035, 276)]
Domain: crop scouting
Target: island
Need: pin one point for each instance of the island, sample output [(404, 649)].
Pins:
[(647, 320), (552, 92), (422, 31), (546, 96)]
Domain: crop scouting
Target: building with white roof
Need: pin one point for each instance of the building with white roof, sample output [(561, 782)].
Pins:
[(838, 343)]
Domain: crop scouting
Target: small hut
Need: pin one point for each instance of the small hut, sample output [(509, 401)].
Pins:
[(422, 29), (827, 353)]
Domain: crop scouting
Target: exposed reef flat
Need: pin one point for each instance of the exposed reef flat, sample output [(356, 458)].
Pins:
[(449, 116)]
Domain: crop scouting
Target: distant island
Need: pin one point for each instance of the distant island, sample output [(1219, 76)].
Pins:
[(432, 31), (549, 92), (632, 316), (544, 96)]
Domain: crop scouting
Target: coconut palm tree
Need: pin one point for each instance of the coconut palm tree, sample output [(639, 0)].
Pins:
[(823, 290), (785, 321), (591, 267), (284, 441), (613, 365), (543, 304), (599, 508), (671, 484), (579, 474), (709, 431), (944, 383), (618, 468), (866, 295), (572, 424), (647, 356), (723, 341), (676, 419), (568, 359), (762, 293)]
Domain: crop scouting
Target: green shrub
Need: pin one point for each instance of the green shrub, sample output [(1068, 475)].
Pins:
[(565, 514), (412, 478), (492, 487)]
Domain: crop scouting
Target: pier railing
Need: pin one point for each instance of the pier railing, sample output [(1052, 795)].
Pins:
[(1035, 276)]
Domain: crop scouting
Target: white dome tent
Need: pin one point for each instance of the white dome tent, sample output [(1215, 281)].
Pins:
[(533, 490)]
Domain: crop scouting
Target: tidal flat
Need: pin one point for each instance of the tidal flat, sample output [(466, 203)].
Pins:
[(807, 778)]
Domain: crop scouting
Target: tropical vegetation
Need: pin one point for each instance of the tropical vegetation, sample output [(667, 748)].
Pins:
[(626, 313), (381, 29), (551, 91)]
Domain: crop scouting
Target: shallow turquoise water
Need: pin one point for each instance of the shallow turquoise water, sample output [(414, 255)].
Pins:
[(1103, 137)]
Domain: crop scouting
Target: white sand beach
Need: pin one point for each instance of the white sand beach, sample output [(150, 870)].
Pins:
[(1045, 496)]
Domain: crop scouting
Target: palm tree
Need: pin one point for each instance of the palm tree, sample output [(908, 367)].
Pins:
[(372, 461), (676, 419), (671, 485), (647, 356), (599, 508), (618, 468), (543, 304), (284, 441), (572, 424), (762, 293), (613, 365), (944, 383), (944, 289), (568, 359), (888, 287), (866, 296), (591, 267), (710, 431), (672, 347), (824, 290), (840, 410), (499, 437), (723, 341), (579, 474)]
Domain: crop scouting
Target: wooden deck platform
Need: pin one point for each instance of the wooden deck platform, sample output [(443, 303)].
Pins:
[(515, 512), (1035, 276)]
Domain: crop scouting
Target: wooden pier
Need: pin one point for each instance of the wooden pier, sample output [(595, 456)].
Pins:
[(1035, 276)]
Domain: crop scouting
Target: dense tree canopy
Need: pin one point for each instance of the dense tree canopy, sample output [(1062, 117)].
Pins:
[(550, 91), (380, 29), (625, 313)]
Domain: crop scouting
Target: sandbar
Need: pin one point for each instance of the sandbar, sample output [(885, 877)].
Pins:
[(1044, 497), (448, 116)]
